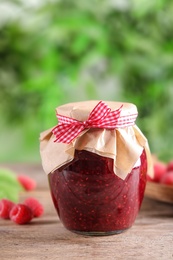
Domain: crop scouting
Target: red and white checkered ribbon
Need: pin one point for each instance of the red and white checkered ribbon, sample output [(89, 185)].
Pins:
[(100, 117)]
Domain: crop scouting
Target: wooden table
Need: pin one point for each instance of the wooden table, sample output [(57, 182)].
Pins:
[(151, 237)]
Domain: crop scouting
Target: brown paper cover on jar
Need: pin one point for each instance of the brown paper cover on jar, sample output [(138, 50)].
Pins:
[(123, 144)]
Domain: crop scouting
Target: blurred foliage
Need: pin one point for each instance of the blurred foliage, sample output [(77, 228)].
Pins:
[(59, 51)]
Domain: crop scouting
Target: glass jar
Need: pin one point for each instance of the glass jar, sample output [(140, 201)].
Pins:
[(96, 159), (91, 199)]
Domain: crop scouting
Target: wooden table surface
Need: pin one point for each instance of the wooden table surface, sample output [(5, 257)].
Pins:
[(151, 237)]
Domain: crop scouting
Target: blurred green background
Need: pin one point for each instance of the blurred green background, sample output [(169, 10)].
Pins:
[(59, 51)]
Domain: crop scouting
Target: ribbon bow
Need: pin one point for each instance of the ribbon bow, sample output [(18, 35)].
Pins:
[(100, 117)]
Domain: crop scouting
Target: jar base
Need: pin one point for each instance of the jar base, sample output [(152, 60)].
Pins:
[(97, 233)]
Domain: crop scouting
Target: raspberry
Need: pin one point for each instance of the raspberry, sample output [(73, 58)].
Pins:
[(167, 178), (21, 214), (35, 206), (27, 182), (159, 170), (5, 208), (170, 166)]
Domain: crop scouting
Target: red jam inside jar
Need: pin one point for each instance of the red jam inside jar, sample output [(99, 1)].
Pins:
[(91, 199)]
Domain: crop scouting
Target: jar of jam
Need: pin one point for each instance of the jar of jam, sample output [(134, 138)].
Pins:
[(96, 167)]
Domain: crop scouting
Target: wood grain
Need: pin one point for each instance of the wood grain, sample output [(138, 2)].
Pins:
[(151, 237)]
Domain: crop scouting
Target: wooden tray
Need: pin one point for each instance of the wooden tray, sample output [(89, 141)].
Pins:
[(159, 192)]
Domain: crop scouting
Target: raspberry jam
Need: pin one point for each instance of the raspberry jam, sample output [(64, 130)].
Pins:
[(91, 199)]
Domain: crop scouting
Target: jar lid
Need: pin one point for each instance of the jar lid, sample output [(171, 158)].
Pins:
[(81, 110)]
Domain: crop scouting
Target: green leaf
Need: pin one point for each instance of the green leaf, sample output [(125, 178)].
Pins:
[(9, 185)]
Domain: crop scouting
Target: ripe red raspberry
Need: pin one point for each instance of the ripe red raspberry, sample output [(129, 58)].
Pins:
[(167, 178), (27, 182), (35, 206), (5, 208), (159, 170), (21, 214), (170, 166)]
